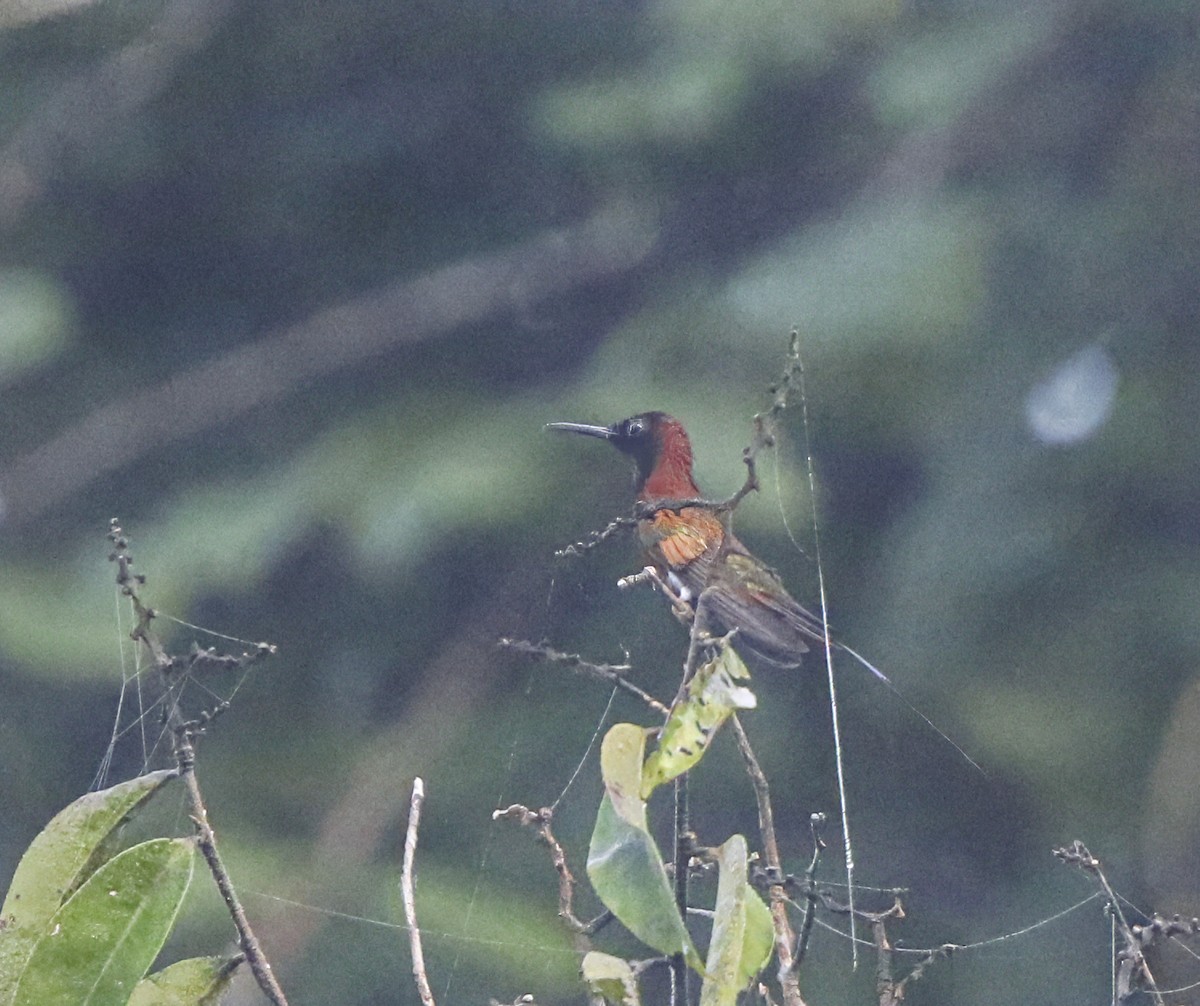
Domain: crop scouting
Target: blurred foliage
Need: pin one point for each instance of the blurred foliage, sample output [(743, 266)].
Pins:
[(953, 200)]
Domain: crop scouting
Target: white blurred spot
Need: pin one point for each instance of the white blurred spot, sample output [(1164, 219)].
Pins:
[(1074, 401)]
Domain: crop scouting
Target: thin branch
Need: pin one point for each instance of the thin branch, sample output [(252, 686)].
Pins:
[(260, 967), (594, 538), (765, 425), (816, 824), (185, 733), (1133, 970), (885, 984), (700, 640), (684, 840), (789, 980), (613, 674), (408, 893), (917, 973), (540, 821), (889, 991)]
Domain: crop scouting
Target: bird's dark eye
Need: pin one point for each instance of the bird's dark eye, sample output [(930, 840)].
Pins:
[(635, 428)]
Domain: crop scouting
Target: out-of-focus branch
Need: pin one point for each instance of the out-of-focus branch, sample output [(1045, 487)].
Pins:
[(15, 12), (91, 106), (217, 391)]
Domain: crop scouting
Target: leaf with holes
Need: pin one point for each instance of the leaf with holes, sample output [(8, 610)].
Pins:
[(715, 692), (612, 978)]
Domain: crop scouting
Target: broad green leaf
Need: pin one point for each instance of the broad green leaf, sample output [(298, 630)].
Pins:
[(624, 864), (63, 855), (197, 981), (16, 944), (723, 979), (621, 754), (743, 934), (612, 978), (759, 941), (628, 876), (712, 695), (100, 943), (58, 861)]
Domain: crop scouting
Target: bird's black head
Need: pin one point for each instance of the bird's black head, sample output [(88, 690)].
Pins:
[(641, 438)]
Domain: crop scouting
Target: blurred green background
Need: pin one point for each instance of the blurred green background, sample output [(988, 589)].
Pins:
[(291, 290)]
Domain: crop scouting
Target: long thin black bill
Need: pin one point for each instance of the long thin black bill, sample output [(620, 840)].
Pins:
[(603, 432)]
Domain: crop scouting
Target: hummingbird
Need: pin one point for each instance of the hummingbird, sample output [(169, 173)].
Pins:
[(694, 550)]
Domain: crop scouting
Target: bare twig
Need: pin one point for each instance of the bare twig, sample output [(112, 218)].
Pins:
[(539, 821), (917, 973), (765, 423), (789, 979), (681, 608), (885, 983), (890, 991), (260, 967), (185, 733), (165, 663), (764, 995), (613, 674), (594, 538), (1133, 970), (700, 640), (408, 893), (680, 972), (816, 824)]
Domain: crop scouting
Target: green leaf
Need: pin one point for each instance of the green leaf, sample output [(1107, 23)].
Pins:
[(713, 694), (724, 979), (624, 864), (743, 932), (197, 981), (67, 851), (759, 941), (621, 754), (610, 977), (102, 941)]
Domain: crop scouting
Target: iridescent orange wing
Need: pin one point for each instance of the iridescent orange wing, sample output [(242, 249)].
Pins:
[(680, 541)]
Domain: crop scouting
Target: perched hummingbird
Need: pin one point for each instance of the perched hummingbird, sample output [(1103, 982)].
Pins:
[(693, 549)]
